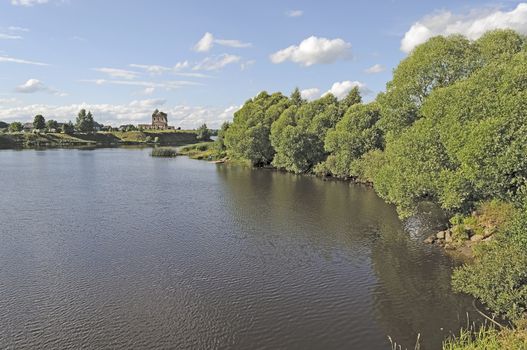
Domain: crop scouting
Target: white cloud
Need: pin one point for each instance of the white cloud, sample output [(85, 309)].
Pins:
[(310, 94), (28, 3), (176, 69), (473, 24), (167, 85), (341, 89), (153, 102), (376, 68), (136, 112), (207, 42), (216, 62), (9, 37), (34, 85), (17, 29), (314, 50), (295, 13), (149, 90), (118, 73), (8, 59)]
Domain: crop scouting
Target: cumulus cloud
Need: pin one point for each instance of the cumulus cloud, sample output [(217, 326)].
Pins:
[(28, 3), (118, 73), (314, 50), (473, 24), (34, 85), (310, 94), (295, 13), (153, 102), (208, 40), (216, 62), (376, 68), (136, 112), (341, 89), (7, 59)]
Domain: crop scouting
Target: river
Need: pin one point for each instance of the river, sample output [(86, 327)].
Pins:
[(111, 248)]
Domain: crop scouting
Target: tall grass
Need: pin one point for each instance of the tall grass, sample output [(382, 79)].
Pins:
[(167, 152)]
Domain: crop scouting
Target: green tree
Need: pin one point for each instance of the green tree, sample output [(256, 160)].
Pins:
[(52, 125), (3, 125), (203, 133), (39, 123), (352, 98), (296, 98), (356, 134), (15, 127), (439, 62), (84, 122), (248, 135), (68, 128)]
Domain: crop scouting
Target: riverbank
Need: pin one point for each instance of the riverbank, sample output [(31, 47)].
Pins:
[(114, 138)]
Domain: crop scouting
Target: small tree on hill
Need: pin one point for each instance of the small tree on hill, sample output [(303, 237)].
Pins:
[(68, 128), (52, 125), (203, 133), (84, 122), (39, 122), (15, 127)]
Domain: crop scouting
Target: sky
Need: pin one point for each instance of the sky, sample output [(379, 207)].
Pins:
[(200, 60)]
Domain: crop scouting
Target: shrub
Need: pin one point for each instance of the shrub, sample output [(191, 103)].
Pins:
[(167, 152)]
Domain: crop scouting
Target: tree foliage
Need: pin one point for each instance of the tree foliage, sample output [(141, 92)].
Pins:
[(39, 123), (84, 122)]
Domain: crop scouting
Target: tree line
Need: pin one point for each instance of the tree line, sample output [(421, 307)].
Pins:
[(83, 123), (450, 128)]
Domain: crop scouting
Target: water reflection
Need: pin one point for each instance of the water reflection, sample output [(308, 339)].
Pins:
[(114, 249)]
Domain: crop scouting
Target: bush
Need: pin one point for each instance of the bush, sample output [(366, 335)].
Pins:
[(167, 152), (498, 276)]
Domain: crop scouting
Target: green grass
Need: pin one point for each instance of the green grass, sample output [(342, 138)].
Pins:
[(203, 150), (488, 338)]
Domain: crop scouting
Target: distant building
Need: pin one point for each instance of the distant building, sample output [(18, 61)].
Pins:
[(27, 127), (159, 122)]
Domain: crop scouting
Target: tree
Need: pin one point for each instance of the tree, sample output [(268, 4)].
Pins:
[(203, 133), (296, 98), (248, 135), (52, 125), (68, 128), (355, 135), (84, 122), (39, 123), (352, 98), (439, 62), (15, 127), (3, 125)]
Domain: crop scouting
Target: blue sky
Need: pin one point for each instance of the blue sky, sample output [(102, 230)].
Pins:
[(200, 60)]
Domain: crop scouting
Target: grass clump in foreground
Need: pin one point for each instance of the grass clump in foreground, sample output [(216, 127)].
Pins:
[(488, 338), (166, 152)]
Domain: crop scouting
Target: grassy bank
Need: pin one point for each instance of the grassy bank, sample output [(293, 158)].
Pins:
[(202, 151), (115, 138)]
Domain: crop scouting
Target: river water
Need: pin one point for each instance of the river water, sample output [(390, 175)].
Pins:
[(111, 248)]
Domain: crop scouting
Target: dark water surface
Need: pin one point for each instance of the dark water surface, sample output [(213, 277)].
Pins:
[(113, 249)]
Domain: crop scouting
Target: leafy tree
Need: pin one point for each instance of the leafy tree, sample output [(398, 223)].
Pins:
[(356, 134), (296, 98), (39, 123), (307, 126), (84, 122), (499, 44), (3, 125), (352, 98), (248, 135), (439, 62), (203, 133), (68, 128), (52, 125), (15, 127)]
